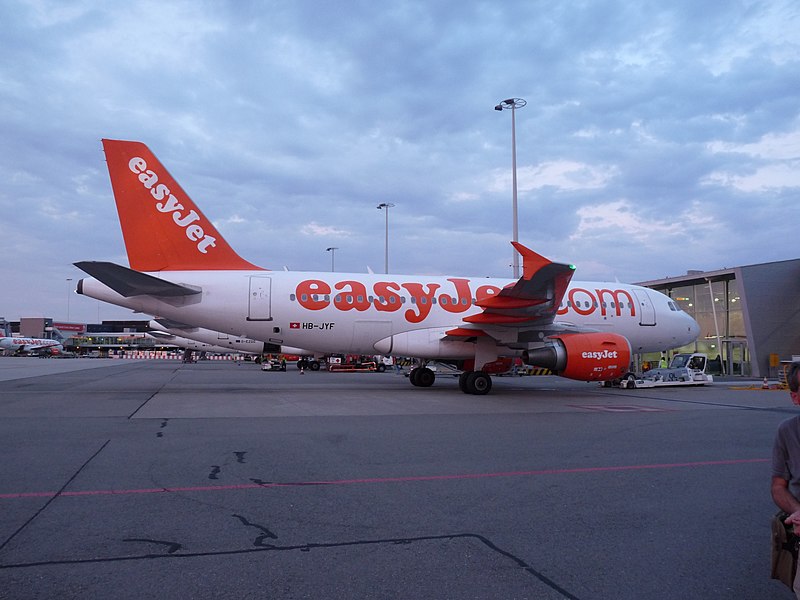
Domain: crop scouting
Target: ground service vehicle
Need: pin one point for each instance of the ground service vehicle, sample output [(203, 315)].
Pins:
[(273, 364), (683, 369), (356, 364)]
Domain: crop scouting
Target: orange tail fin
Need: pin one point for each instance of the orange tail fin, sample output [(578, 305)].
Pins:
[(163, 229)]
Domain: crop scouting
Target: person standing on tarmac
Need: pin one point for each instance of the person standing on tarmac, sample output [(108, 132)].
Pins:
[(786, 463)]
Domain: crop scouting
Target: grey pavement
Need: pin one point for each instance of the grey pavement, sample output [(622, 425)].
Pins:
[(155, 479)]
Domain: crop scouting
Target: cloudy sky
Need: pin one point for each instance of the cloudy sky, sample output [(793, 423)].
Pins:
[(657, 137)]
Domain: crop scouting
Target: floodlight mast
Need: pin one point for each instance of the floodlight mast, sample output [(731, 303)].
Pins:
[(386, 206), (513, 104), (332, 250)]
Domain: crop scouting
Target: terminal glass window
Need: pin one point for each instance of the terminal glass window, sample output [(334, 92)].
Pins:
[(735, 313), (710, 309), (736, 324), (709, 300)]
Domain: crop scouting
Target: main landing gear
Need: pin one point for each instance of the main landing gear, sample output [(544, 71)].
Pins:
[(475, 382), (422, 377), (469, 382)]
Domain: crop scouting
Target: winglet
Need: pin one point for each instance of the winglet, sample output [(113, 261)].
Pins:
[(531, 261), (162, 227), (536, 296)]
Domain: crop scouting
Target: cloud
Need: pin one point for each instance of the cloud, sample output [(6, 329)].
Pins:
[(774, 163), (649, 130), (772, 146), (620, 220), (762, 180), (315, 229)]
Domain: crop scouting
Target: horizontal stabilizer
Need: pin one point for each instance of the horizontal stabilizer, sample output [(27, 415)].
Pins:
[(127, 282)]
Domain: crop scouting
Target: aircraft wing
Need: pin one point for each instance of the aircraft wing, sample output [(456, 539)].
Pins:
[(127, 282), (533, 300)]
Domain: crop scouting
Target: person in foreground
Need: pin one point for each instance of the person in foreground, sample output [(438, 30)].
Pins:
[(786, 463)]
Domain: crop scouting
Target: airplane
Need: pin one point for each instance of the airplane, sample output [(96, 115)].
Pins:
[(26, 345), (181, 268), (202, 340)]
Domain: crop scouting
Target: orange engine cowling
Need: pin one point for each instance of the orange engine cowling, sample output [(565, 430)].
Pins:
[(583, 356)]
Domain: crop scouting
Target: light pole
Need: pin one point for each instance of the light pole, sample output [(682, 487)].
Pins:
[(332, 250), (68, 287), (513, 104), (386, 206)]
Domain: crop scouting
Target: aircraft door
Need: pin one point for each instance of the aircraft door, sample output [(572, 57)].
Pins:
[(647, 312), (259, 305)]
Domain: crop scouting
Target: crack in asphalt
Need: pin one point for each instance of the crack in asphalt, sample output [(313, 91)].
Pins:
[(308, 547), (54, 496)]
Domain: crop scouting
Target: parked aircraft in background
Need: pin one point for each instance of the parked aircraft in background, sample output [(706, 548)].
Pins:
[(26, 345), (201, 340), (205, 340), (182, 269)]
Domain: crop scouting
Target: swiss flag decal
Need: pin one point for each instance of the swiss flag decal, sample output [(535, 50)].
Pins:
[(294, 325)]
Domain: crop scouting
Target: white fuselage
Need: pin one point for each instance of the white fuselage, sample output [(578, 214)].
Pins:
[(393, 314)]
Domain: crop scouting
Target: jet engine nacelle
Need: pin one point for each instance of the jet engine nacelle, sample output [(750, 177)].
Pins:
[(583, 356)]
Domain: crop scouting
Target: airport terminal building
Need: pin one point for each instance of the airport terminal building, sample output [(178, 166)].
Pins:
[(749, 316)]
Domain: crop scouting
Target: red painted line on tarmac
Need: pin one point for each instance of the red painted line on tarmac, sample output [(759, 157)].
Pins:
[(251, 486)]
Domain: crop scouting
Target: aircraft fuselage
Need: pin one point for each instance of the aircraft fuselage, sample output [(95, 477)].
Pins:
[(393, 314)]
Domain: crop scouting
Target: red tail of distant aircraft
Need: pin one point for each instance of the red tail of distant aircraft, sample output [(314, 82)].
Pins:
[(182, 269)]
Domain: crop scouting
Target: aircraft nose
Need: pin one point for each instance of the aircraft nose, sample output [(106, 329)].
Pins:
[(693, 328)]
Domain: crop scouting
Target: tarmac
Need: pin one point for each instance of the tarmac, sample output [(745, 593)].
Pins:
[(158, 479)]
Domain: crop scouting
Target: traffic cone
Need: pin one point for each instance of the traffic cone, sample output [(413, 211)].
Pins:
[(765, 385)]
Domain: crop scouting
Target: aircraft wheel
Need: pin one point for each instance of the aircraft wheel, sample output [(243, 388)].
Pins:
[(478, 383), (425, 377), (462, 381), (302, 364), (413, 376), (629, 381), (314, 365)]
